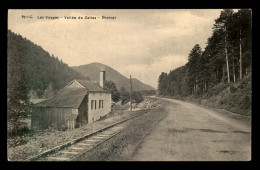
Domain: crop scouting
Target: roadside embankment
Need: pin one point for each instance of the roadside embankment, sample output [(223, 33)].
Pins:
[(244, 116)]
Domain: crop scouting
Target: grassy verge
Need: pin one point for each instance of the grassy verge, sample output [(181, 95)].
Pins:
[(236, 97)]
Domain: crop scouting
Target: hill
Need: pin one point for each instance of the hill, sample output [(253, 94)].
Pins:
[(31, 71), (92, 71)]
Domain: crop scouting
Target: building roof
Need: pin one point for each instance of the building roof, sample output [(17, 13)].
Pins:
[(67, 97), (34, 101), (92, 86)]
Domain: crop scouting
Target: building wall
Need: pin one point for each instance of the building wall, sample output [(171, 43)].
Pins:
[(83, 112), (96, 113), (46, 117), (75, 84)]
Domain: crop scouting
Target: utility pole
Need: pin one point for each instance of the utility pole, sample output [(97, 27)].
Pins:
[(130, 93)]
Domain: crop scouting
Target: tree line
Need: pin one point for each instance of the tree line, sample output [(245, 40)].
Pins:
[(226, 58), (122, 94)]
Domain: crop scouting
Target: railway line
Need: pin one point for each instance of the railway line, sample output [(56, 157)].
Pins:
[(71, 150)]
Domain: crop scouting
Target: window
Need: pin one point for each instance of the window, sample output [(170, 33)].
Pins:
[(95, 104), (99, 104), (92, 104), (102, 103)]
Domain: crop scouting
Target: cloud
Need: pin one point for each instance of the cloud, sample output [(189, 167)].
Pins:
[(140, 42), (150, 73)]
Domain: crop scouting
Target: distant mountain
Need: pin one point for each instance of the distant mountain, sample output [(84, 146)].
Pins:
[(92, 71)]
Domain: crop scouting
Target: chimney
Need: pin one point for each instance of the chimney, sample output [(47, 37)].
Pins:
[(102, 78)]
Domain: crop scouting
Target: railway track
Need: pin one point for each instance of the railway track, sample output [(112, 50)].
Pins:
[(71, 150)]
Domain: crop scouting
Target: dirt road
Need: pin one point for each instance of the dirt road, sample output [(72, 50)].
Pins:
[(194, 133)]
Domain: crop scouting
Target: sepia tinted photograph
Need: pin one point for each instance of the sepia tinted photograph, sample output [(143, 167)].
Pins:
[(129, 85)]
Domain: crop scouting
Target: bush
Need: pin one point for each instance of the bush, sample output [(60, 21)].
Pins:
[(124, 96), (137, 97), (198, 92), (216, 89), (18, 130), (233, 89)]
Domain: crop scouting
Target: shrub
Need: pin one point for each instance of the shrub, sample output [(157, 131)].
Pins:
[(233, 89), (198, 92), (137, 97)]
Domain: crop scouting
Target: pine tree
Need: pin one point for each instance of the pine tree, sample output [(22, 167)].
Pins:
[(222, 23), (193, 68)]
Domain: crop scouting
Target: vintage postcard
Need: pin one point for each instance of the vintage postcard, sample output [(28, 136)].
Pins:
[(129, 84)]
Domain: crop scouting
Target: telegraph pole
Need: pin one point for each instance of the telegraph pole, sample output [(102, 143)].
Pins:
[(130, 93)]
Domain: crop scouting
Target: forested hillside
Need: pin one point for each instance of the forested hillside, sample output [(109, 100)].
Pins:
[(32, 72), (221, 74)]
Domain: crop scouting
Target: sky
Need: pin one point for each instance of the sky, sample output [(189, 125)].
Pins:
[(138, 42)]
